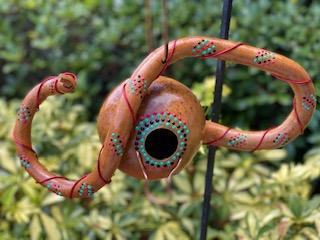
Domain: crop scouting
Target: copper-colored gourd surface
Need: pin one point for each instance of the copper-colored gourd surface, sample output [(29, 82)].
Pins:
[(151, 126), (164, 96)]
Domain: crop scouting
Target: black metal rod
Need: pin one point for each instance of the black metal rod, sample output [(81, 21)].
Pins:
[(165, 29), (215, 113)]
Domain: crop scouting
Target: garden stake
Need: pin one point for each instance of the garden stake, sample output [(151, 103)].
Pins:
[(215, 112)]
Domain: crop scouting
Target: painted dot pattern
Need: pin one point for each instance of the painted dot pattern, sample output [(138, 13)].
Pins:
[(116, 144), (55, 188), (204, 48), (238, 140), (138, 86), (154, 121), (309, 102), (24, 161), (83, 188), (24, 114), (281, 139), (264, 57)]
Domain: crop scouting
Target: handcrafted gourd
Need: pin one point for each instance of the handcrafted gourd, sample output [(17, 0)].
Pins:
[(151, 126)]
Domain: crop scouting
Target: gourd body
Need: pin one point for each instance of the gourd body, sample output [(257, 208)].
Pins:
[(167, 133)]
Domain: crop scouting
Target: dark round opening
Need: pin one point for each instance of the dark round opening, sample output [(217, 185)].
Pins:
[(161, 143)]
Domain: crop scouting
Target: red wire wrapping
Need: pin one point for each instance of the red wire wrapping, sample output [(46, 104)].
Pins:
[(31, 149), (287, 80), (56, 87), (75, 184), (23, 145), (297, 116), (71, 75), (162, 70), (281, 78), (98, 166), (39, 90), (261, 140), (219, 138), (51, 178), (124, 93), (223, 51)]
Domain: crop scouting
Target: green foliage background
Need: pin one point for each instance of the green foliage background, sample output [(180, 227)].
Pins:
[(265, 195)]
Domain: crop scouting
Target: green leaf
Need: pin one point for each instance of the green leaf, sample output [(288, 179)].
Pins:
[(183, 183), (8, 195), (311, 206), (51, 227), (267, 227), (252, 224), (170, 231), (296, 205), (35, 228)]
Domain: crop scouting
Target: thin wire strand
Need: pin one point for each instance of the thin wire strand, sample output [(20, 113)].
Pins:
[(141, 166)]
